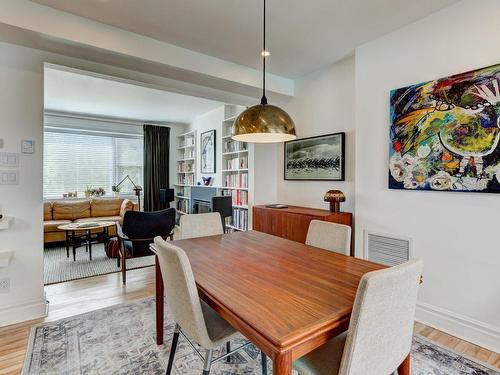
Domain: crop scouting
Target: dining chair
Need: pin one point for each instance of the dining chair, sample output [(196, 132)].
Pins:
[(193, 317), (139, 230), (200, 225), (329, 236), (380, 331)]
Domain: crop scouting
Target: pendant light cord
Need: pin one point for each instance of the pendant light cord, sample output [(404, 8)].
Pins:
[(264, 99)]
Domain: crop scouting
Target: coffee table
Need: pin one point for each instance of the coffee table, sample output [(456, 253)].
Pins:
[(83, 231)]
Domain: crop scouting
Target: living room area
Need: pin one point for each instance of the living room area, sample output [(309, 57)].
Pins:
[(93, 169)]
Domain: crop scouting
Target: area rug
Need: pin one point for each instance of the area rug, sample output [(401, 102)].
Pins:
[(59, 268), (121, 340)]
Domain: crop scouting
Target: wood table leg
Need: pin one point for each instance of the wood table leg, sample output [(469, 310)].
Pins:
[(404, 367), (282, 364), (159, 303)]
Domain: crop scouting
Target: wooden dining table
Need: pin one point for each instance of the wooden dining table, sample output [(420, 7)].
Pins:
[(286, 297)]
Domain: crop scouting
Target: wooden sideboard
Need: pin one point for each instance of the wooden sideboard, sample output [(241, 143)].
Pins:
[(293, 222)]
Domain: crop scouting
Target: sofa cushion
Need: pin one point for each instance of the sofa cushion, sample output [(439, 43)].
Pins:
[(106, 207), (100, 218), (51, 225), (70, 210), (127, 205), (47, 210)]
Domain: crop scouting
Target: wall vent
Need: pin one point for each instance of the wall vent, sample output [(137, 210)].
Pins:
[(387, 249)]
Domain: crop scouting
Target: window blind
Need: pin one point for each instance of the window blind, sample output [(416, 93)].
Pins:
[(75, 159)]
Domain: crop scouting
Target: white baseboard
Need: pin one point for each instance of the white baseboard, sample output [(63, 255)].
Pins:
[(465, 328), (29, 310)]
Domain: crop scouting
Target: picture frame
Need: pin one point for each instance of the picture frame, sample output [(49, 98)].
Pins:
[(318, 158), (207, 151)]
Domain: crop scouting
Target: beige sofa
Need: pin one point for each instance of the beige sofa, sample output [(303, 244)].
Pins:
[(60, 212)]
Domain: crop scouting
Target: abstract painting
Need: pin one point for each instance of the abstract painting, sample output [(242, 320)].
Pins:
[(208, 152), (315, 158), (444, 134)]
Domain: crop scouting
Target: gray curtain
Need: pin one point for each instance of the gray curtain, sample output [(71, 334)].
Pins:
[(156, 165)]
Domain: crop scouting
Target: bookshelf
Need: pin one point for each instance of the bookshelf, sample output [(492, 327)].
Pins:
[(186, 171), (235, 172)]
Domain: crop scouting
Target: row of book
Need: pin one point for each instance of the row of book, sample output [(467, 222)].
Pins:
[(239, 197), (185, 179), (188, 141), (232, 146), (237, 163), (184, 167), (240, 219), (187, 154), (239, 180), (182, 191), (183, 205)]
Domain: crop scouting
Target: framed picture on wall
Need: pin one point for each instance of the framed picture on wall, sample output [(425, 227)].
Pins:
[(316, 158), (208, 152)]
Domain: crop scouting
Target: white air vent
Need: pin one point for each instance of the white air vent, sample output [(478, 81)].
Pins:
[(387, 249)]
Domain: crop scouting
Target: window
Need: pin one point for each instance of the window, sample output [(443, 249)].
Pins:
[(77, 159)]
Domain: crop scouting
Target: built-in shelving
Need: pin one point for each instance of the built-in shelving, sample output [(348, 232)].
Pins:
[(235, 171), (186, 171)]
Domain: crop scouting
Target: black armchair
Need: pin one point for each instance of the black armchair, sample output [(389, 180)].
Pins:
[(139, 230), (224, 206)]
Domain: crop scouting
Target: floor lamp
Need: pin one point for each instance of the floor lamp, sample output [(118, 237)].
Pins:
[(137, 189)]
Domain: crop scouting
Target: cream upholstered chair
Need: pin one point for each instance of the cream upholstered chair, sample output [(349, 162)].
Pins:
[(200, 225), (193, 317), (381, 327), (329, 236)]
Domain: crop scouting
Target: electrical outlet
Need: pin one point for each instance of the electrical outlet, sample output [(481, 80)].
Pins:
[(5, 285)]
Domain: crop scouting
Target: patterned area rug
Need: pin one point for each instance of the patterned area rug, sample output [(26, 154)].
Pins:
[(120, 340), (58, 268)]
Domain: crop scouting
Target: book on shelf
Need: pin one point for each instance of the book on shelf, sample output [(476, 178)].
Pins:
[(239, 180), (237, 163), (183, 205), (239, 197), (240, 219), (185, 179)]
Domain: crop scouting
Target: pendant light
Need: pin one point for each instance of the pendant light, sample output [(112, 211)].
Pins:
[(263, 123)]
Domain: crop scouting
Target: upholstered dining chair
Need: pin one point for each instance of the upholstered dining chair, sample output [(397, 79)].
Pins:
[(329, 236), (200, 225), (194, 319), (380, 331), (139, 230)]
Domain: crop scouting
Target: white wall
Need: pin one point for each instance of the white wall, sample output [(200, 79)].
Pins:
[(323, 104), (208, 121), (21, 117), (456, 234)]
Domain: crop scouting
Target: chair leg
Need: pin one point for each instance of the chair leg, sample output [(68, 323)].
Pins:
[(264, 363), (208, 362), (124, 268), (228, 349), (172, 350), (118, 259)]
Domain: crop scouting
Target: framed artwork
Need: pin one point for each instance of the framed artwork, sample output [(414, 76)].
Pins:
[(208, 152), (315, 158), (444, 134)]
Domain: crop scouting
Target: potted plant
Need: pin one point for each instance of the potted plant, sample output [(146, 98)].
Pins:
[(88, 191)]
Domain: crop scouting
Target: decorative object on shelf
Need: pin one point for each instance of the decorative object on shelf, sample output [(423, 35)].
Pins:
[(88, 191), (137, 189), (206, 180), (99, 192), (208, 152), (277, 205), (444, 134), (264, 123), (315, 158), (335, 197), (28, 146), (71, 194)]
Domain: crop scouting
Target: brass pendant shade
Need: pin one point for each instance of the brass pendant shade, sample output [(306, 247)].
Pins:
[(263, 123)]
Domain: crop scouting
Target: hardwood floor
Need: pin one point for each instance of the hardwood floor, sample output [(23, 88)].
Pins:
[(76, 297)]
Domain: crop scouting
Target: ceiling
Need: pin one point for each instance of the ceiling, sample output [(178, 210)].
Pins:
[(303, 35), (80, 93)]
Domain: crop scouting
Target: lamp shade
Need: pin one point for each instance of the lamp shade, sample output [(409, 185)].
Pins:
[(263, 123)]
